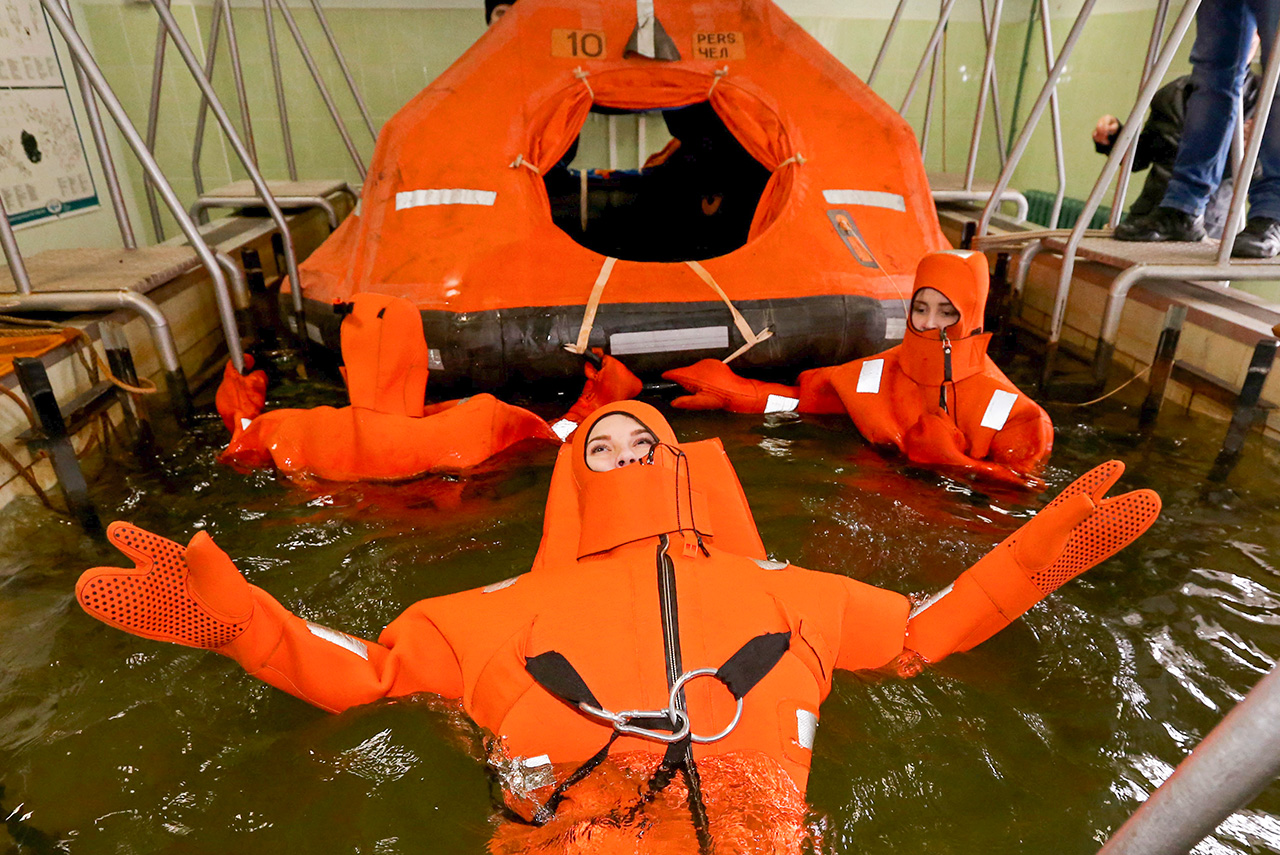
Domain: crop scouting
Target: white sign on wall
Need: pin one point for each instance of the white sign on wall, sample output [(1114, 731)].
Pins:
[(44, 170)]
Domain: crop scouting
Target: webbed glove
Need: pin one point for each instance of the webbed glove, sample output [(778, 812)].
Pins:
[(1077, 530), (609, 383), (716, 387), (935, 440), (241, 397)]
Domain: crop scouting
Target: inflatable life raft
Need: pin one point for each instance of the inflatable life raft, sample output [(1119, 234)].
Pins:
[(783, 223)]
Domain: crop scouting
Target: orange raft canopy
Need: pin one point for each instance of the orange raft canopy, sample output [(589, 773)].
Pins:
[(464, 209)]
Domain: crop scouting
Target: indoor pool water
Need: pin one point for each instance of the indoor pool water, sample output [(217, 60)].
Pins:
[(1042, 740)]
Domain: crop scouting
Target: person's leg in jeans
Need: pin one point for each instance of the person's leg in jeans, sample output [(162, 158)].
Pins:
[(1224, 29), (1261, 237)]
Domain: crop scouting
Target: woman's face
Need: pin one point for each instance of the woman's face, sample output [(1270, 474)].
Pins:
[(617, 440), (931, 310)]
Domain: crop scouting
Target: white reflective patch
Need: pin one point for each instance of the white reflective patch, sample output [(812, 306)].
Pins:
[(869, 376), (341, 639), (313, 332), (869, 198), (563, 428), (434, 362), (644, 28), (998, 409), (244, 423), (781, 404), (535, 762), (665, 341), (895, 329), (498, 586), (806, 728), (930, 601), (770, 564), (452, 196)]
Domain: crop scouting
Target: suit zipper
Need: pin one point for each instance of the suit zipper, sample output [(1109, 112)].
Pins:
[(670, 618)]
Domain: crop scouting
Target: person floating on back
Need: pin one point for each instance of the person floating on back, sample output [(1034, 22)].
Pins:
[(655, 676), (937, 397)]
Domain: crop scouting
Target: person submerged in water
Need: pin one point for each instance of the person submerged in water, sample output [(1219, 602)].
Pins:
[(937, 397), (653, 683)]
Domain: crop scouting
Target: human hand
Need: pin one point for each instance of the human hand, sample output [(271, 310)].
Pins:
[(1107, 127), (609, 383)]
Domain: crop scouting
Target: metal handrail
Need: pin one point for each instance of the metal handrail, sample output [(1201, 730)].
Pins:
[(1046, 32), (986, 89), (1230, 766), (1131, 153), (943, 16), (84, 59), (260, 184)]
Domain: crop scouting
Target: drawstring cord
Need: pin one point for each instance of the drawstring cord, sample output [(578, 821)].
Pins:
[(681, 457)]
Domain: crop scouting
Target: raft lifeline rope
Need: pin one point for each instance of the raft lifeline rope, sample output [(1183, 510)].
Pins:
[(750, 337)]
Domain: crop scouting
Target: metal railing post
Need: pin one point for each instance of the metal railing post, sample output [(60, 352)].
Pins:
[(346, 72), (277, 77), (1230, 766), (1126, 168), (938, 28), (237, 77), (13, 255), (153, 126), (1055, 119), (984, 89), (81, 54), (884, 45)]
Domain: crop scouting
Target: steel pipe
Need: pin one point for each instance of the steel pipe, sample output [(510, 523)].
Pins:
[(943, 16), (109, 174), (996, 112), (884, 45), (1127, 133), (202, 115), (984, 89), (1059, 161), (81, 55), (13, 255), (1229, 767), (237, 77), (282, 108), (1024, 137), (153, 126), (324, 90), (1126, 168), (237, 202), (206, 88), (1014, 196), (346, 72)]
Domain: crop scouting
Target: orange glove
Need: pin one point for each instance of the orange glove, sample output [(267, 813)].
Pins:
[(196, 597), (716, 387), (1077, 530), (935, 440), (609, 383), (241, 397)]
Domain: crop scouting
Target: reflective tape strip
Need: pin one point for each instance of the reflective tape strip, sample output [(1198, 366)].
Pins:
[(341, 639), (806, 728), (895, 329), (868, 198), (998, 409), (644, 29), (498, 586), (563, 428), (780, 404), (665, 341), (244, 424), (434, 362), (869, 376), (915, 612), (421, 198)]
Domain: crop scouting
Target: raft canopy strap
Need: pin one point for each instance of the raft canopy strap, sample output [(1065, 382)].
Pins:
[(520, 161), (583, 75), (593, 304), (720, 74), (750, 338), (798, 159)]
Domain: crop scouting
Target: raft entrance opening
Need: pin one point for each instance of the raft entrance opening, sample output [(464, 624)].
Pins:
[(694, 199)]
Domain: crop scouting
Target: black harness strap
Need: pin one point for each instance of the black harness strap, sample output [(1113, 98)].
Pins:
[(740, 673)]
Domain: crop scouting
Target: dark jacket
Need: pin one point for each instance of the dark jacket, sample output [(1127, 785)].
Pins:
[(1158, 148)]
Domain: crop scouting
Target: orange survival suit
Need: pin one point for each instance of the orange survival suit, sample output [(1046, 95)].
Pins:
[(652, 630), (940, 401), (387, 433)]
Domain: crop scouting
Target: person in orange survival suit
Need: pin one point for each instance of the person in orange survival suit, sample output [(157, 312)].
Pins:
[(387, 433), (937, 397), (651, 593)]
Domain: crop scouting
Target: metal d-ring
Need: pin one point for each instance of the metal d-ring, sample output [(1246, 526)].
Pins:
[(679, 684)]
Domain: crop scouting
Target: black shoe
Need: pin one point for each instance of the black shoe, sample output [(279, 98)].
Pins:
[(1162, 224), (1260, 238)]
